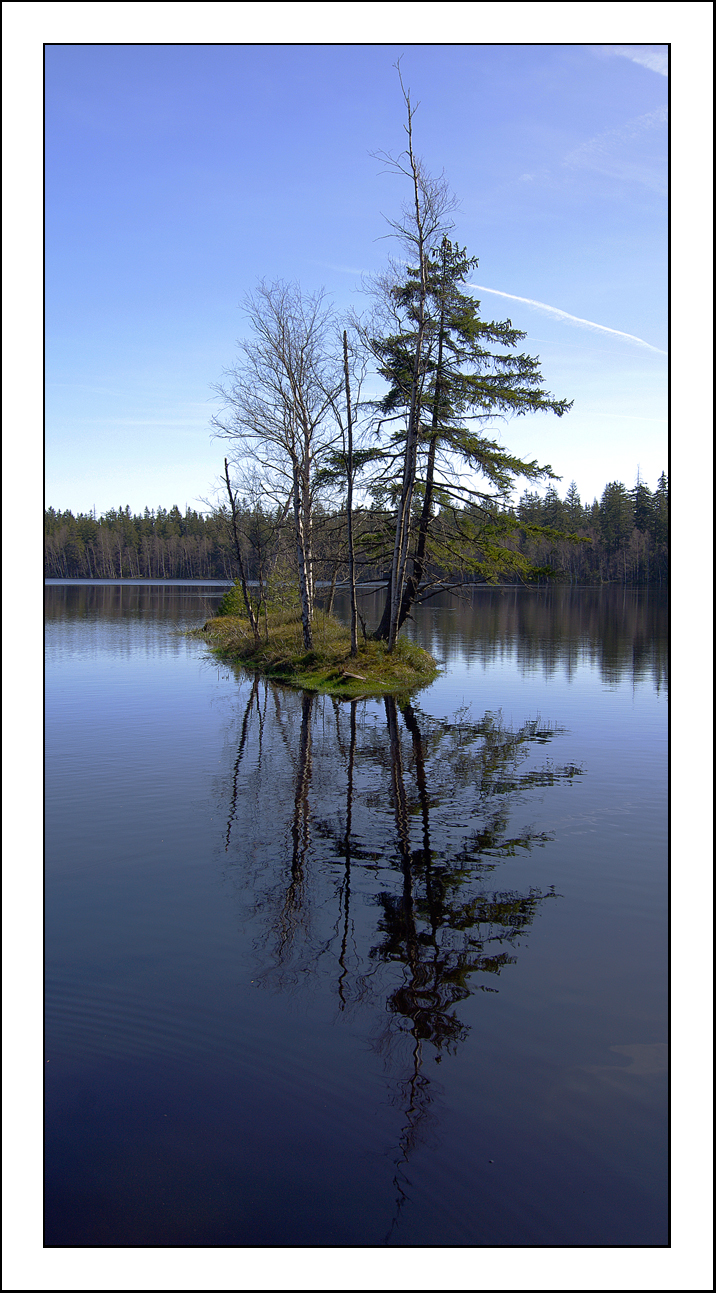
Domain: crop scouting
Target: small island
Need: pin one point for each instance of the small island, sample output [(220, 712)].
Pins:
[(279, 654)]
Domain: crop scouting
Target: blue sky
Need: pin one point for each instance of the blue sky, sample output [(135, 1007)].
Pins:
[(176, 175)]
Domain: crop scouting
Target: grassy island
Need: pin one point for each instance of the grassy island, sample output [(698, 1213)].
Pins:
[(280, 655)]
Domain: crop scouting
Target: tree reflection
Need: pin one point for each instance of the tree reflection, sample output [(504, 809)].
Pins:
[(438, 928), (300, 832), (392, 830), (345, 890), (252, 701)]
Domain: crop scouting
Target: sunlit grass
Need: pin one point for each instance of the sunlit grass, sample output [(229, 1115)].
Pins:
[(327, 667)]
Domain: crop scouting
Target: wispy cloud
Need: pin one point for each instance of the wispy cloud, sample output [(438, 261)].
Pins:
[(569, 318), (631, 129), (605, 152), (655, 57)]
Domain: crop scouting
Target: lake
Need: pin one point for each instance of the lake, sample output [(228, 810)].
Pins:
[(357, 974)]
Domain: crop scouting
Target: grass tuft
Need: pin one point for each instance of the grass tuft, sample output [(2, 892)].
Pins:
[(329, 666)]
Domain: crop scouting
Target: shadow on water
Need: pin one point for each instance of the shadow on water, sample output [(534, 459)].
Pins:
[(385, 891)]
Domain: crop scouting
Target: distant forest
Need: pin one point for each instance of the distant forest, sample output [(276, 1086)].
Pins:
[(620, 538)]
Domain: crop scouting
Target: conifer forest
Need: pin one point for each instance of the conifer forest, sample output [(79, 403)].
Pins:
[(620, 538)]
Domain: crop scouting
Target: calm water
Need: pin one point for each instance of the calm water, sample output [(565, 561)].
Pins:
[(354, 974)]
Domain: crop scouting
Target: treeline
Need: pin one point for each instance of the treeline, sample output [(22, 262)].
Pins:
[(157, 544), (627, 532), (624, 539)]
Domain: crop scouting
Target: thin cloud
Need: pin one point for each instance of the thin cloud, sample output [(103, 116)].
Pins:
[(610, 152), (570, 318), (631, 129), (655, 57)]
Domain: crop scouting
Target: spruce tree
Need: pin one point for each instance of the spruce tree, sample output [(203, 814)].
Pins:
[(616, 516), (470, 374), (643, 505)]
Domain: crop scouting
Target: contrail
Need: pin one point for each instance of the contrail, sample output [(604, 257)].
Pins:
[(572, 318)]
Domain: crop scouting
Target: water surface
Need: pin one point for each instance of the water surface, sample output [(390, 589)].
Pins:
[(334, 974)]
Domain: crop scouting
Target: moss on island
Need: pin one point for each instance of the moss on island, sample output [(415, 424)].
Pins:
[(329, 667)]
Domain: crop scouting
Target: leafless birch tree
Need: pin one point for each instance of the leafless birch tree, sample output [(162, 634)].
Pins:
[(277, 405)]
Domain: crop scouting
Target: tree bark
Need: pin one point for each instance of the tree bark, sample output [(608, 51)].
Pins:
[(303, 556), (412, 584), (349, 505), (244, 587)]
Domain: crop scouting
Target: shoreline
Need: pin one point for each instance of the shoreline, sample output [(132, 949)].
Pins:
[(328, 666)]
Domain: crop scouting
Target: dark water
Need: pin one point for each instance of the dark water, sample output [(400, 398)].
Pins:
[(357, 974)]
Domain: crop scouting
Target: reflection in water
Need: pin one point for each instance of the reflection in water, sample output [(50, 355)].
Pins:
[(345, 889), (253, 701), (549, 630), (121, 601), (623, 631), (292, 909), (384, 890), (306, 1044)]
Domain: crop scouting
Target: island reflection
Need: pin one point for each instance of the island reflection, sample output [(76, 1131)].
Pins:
[(362, 837)]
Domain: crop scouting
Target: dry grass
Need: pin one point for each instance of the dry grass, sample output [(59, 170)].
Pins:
[(329, 666)]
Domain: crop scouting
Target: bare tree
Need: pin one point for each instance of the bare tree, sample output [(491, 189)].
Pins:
[(237, 546), (349, 457), (277, 401), (349, 499)]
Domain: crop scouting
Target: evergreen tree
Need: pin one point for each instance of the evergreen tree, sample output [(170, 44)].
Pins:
[(660, 524), (469, 373), (572, 505), (552, 508), (643, 505), (616, 516)]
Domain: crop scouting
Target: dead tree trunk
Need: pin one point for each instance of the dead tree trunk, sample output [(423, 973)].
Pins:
[(244, 586), (349, 505)]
